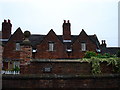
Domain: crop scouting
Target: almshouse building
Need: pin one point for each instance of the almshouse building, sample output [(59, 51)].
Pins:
[(20, 46)]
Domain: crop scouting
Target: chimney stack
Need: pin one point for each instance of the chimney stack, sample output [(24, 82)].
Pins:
[(66, 30), (103, 44), (6, 29)]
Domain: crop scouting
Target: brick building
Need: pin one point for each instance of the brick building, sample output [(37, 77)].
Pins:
[(19, 47)]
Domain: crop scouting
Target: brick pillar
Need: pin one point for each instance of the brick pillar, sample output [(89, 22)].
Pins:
[(26, 52)]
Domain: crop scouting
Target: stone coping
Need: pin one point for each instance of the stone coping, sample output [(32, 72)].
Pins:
[(57, 60), (57, 76)]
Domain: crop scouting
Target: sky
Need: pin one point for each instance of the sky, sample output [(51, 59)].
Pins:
[(98, 17)]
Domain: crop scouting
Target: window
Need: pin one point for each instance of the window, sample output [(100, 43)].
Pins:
[(51, 46), (83, 46), (47, 69), (17, 46)]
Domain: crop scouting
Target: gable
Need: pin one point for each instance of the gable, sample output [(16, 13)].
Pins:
[(51, 36), (83, 37), (10, 47), (17, 36), (57, 49)]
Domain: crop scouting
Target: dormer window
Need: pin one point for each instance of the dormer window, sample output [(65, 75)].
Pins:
[(83, 46), (17, 46), (51, 46)]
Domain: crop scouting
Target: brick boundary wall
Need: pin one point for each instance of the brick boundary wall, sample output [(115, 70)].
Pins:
[(64, 67), (71, 82)]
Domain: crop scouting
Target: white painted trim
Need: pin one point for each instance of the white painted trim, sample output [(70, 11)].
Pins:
[(4, 39), (67, 41)]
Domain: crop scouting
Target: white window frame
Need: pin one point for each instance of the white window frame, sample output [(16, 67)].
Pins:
[(83, 46), (17, 46), (51, 46)]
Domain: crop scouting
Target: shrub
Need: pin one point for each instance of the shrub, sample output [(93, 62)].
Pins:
[(16, 68), (89, 54)]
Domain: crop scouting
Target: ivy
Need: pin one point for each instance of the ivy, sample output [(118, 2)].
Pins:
[(95, 66), (95, 61)]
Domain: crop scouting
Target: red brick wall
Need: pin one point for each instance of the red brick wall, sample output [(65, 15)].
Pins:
[(57, 68), (65, 82), (63, 67)]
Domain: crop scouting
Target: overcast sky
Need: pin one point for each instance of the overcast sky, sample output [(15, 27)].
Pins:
[(98, 17)]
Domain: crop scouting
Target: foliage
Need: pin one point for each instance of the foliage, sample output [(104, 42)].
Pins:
[(16, 68), (117, 66), (118, 54), (96, 59), (95, 66), (89, 54)]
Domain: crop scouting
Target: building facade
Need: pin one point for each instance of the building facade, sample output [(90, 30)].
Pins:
[(50, 46)]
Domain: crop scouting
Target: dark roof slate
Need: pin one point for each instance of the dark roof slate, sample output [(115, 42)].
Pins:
[(112, 50), (37, 38), (95, 40)]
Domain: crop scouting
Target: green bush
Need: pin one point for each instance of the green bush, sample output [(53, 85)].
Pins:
[(89, 54), (16, 68)]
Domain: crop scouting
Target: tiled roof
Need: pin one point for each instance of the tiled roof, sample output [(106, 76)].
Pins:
[(37, 38), (111, 50), (94, 39)]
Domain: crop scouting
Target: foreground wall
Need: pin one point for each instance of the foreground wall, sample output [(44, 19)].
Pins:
[(61, 81), (62, 67)]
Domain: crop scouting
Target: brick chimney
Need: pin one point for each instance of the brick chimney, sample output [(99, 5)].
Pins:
[(6, 29), (103, 45), (66, 30)]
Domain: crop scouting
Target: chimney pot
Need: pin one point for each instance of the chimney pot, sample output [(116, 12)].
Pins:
[(5, 21), (8, 21), (68, 21), (64, 21), (102, 41)]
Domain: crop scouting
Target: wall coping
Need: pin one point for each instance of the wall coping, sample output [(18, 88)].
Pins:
[(57, 76), (58, 60)]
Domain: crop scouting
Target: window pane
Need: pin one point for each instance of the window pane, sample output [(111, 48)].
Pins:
[(83, 46), (51, 46), (17, 46)]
